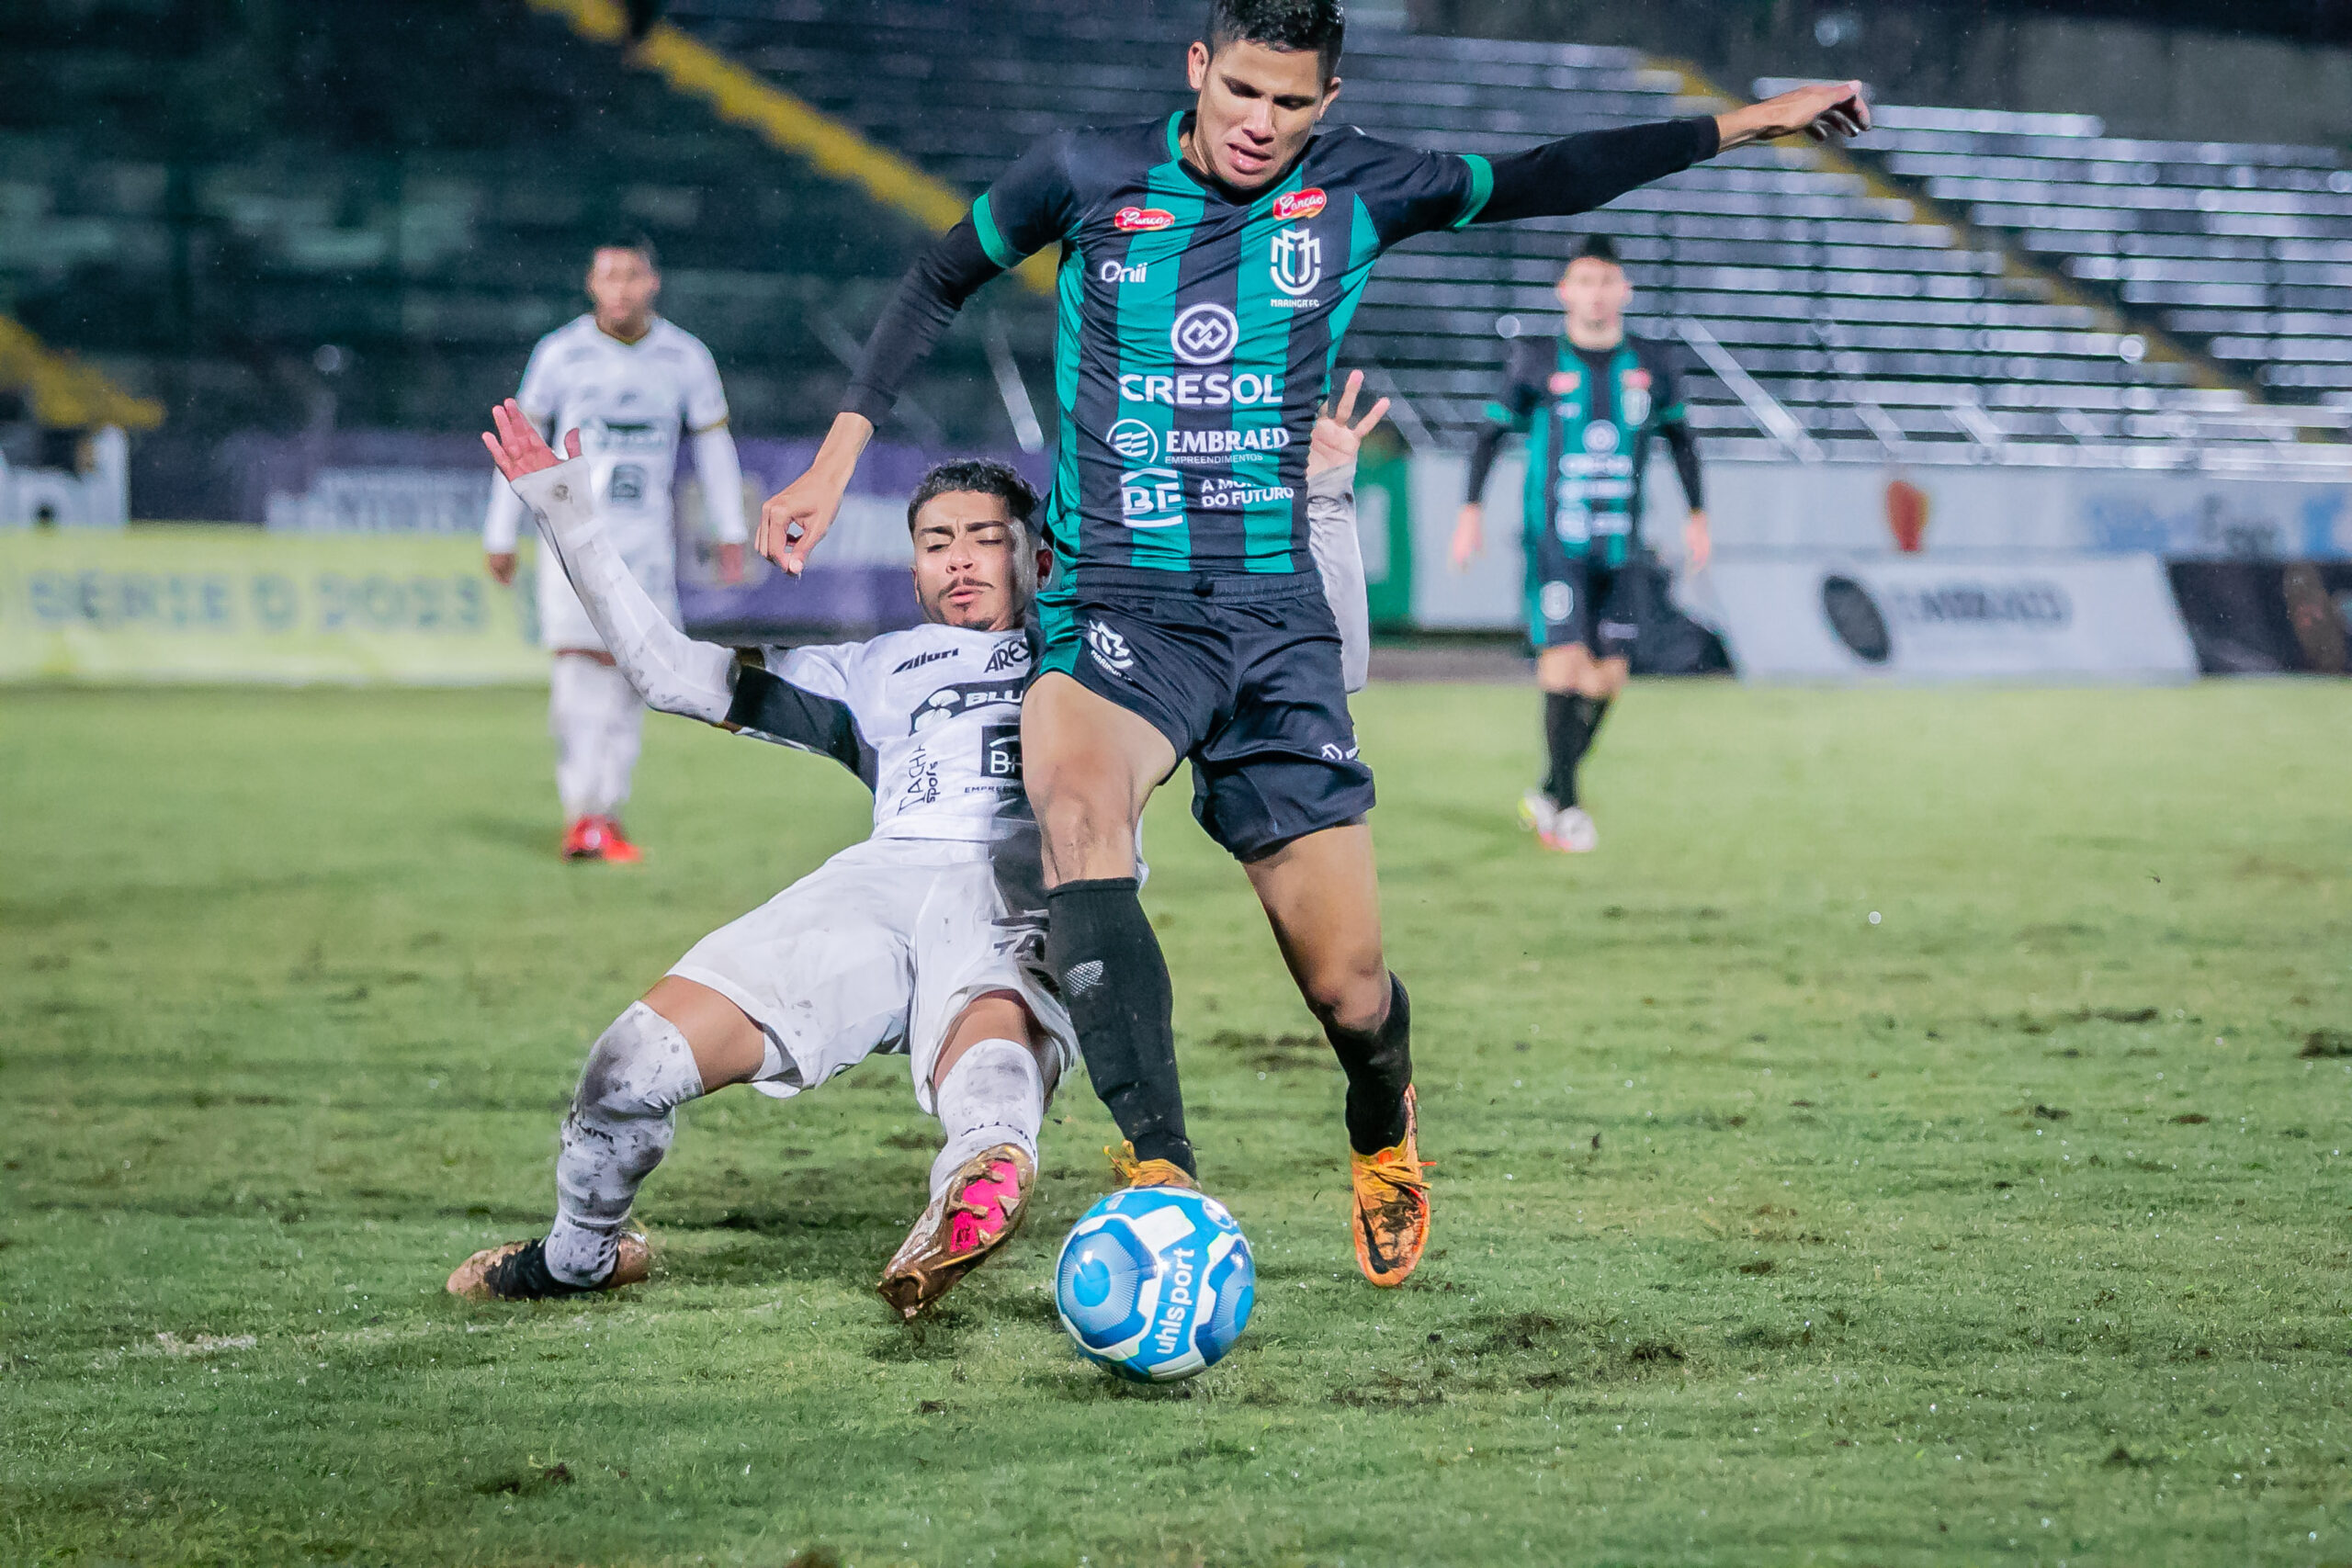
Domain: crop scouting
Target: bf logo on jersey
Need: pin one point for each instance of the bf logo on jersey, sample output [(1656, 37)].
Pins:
[(1203, 334), (1297, 265), (1151, 497)]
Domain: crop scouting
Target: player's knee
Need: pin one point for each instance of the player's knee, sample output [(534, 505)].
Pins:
[(1351, 996), (641, 1066)]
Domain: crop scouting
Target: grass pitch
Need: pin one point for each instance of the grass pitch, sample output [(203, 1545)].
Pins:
[(1917, 1136)]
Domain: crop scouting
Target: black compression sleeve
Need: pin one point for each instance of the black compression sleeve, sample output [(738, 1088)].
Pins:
[(773, 708), (1482, 459), (1685, 448), (919, 313), (1579, 172)]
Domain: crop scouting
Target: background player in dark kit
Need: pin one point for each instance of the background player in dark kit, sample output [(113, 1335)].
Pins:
[(1590, 400), (1210, 263)]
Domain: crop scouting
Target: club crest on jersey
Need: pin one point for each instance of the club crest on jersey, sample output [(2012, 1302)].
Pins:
[(1637, 402), (1142, 219), (1203, 334), (1299, 204), (1297, 260)]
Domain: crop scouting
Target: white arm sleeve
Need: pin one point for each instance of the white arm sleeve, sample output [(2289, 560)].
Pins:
[(721, 473), (1331, 539), (670, 671)]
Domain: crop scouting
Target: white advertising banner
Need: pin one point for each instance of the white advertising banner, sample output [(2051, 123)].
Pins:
[(1916, 618)]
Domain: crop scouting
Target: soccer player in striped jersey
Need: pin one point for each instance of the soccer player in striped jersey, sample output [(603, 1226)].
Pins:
[(1590, 401), (1210, 263)]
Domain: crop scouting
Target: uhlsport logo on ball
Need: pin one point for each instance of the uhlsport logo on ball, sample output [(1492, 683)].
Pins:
[(1155, 1283)]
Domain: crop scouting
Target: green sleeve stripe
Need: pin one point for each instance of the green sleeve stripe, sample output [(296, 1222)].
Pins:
[(1482, 185), (984, 225)]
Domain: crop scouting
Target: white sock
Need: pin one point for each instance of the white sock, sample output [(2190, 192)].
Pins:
[(624, 736), (994, 1094), (597, 720), (619, 1128)]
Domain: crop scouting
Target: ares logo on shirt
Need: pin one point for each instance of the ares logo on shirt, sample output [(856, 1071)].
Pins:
[(1297, 260), (1142, 219), (1204, 335), (1011, 654), (1151, 497)]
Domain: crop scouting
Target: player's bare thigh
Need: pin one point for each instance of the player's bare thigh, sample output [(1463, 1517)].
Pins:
[(1570, 667), (729, 1048), (1321, 894), (1089, 766)]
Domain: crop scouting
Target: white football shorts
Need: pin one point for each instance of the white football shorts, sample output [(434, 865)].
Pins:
[(651, 555), (877, 951)]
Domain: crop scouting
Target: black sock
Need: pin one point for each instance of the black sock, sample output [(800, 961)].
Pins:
[(1566, 730), (1101, 948), (1379, 1065), (1595, 710)]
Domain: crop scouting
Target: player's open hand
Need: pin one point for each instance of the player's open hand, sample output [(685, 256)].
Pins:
[(1338, 435), (1825, 111), (516, 447)]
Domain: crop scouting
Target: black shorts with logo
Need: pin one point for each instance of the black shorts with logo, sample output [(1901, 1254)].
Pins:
[(1578, 600), (1241, 674)]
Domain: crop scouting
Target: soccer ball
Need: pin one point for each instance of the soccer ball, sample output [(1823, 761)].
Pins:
[(1155, 1283)]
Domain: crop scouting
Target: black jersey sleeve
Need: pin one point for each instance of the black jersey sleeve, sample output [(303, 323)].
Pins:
[(1674, 423), (1578, 173), (1511, 410), (1029, 208)]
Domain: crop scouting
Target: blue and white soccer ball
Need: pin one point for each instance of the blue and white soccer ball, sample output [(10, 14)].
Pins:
[(1155, 1283)]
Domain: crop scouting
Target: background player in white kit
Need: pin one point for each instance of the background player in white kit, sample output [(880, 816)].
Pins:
[(928, 938), (631, 383)]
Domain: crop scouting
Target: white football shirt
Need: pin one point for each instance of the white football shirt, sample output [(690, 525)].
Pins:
[(632, 403)]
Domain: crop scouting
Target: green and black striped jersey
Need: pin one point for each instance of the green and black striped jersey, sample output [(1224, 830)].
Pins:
[(1199, 326), (1588, 416)]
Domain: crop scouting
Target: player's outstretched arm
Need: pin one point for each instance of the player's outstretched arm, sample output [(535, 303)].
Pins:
[(670, 671), (1015, 218), (1331, 525), (1823, 111), (1577, 173)]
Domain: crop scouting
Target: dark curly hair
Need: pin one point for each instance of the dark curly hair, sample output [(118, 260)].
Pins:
[(981, 476)]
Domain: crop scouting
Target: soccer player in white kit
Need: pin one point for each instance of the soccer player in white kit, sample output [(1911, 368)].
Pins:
[(928, 938), (631, 383)]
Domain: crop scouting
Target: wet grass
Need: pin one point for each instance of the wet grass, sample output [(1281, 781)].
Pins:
[(2013, 1226)]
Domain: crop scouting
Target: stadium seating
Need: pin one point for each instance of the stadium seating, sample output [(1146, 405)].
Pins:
[(386, 220), (417, 197), (2244, 249), (1877, 331)]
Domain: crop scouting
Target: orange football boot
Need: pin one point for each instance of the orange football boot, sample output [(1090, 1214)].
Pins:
[(1392, 1206), (1134, 1172)]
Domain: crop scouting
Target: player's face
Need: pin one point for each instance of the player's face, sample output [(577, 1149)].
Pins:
[(1257, 107), (1595, 293), (623, 286), (965, 571)]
